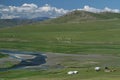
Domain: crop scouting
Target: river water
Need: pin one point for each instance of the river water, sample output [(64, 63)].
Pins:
[(37, 59)]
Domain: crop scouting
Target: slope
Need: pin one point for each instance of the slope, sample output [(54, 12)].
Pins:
[(83, 16), (90, 37)]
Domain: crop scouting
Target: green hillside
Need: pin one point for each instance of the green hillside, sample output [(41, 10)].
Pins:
[(89, 40), (89, 37), (83, 16)]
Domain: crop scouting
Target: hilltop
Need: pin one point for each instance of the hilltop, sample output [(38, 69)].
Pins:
[(83, 16)]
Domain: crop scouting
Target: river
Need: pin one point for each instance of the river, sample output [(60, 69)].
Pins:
[(26, 58)]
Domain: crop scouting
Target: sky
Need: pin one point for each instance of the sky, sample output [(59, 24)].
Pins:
[(53, 8), (66, 4)]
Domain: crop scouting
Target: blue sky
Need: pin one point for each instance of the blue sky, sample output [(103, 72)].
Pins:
[(66, 4), (10, 9)]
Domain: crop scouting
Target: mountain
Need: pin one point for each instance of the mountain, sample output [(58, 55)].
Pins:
[(71, 17), (19, 21), (81, 16)]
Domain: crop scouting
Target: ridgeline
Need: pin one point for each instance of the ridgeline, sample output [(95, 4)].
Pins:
[(83, 16)]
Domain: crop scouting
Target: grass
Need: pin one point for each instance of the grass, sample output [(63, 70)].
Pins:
[(3, 55), (56, 74), (89, 37), (95, 37)]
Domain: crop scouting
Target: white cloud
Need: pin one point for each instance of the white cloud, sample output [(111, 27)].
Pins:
[(46, 8), (95, 10), (30, 5), (106, 9), (32, 11), (91, 9)]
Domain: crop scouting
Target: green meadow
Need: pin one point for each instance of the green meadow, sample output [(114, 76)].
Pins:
[(87, 37), (56, 74)]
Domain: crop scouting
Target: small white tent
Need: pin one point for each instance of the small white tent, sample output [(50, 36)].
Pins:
[(97, 68), (72, 72)]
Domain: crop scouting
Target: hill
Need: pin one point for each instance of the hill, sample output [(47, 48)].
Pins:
[(82, 32), (88, 38), (83, 16), (71, 17), (19, 21)]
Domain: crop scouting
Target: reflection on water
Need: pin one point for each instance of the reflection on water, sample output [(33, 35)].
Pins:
[(24, 62)]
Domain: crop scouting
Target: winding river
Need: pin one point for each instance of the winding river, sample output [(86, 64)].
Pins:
[(26, 58)]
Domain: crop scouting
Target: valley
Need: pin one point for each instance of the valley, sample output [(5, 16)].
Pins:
[(76, 41)]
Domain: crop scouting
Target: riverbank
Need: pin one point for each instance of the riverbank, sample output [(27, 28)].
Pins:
[(58, 64), (58, 60), (3, 55), (21, 59)]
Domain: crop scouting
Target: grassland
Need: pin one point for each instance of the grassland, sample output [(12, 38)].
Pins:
[(56, 74), (88, 37)]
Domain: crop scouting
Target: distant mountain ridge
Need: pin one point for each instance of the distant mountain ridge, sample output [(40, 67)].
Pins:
[(19, 21), (81, 16), (76, 16)]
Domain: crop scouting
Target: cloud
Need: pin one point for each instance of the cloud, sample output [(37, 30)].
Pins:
[(91, 9), (30, 5), (106, 9), (30, 11), (95, 10)]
